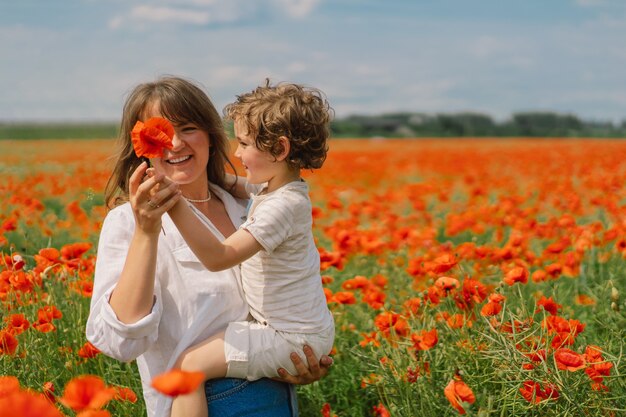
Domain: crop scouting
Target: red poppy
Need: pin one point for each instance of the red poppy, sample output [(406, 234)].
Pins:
[(326, 411), (343, 297), (584, 300), (441, 264), (125, 394), (534, 393), (86, 392), (446, 284), (567, 359), (151, 137), (549, 305), (48, 391), (387, 321), (517, 274), (456, 392), (380, 411), (425, 340), (177, 382), (88, 351), (8, 343), (75, 250), (94, 413), (8, 385), (17, 323), (27, 404)]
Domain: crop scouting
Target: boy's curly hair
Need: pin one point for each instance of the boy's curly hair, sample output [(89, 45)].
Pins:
[(302, 114)]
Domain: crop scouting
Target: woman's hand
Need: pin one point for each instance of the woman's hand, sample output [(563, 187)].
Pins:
[(150, 199), (306, 374)]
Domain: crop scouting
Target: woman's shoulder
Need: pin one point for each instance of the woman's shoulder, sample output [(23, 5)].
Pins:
[(120, 214)]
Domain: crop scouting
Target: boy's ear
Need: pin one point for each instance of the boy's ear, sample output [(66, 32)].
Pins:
[(285, 148)]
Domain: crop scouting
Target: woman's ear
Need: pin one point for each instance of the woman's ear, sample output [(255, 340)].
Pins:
[(285, 148)]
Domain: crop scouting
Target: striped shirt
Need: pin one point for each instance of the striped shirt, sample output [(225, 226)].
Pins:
[(282, 282)]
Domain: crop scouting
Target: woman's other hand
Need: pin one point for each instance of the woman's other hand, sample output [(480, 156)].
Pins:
[(313, 371), (150, 199)]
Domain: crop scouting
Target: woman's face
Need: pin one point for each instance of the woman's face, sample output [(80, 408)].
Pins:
[(186, 163)]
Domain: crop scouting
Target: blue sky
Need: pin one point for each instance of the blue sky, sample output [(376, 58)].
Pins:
[(77, 59)]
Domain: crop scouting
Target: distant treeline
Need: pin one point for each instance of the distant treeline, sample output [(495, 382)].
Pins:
[(396, 125), (530, 124), (53, 130)]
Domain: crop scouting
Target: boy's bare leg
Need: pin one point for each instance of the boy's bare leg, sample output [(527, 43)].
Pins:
[(207, 357)]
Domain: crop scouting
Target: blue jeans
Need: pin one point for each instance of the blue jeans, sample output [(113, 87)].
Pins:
[(232, 397)]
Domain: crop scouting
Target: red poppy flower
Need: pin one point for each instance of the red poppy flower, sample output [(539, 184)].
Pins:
[(8, 385), (441, 264), (326, 411), (94, 413), (456, 392), (151, 137), (48, 391), (549, 305), (176, 382), (75, 250), (8, 343), (17, 323), (343, 297), (533, 392), (86, 392), (26, 403), (88, 351), (425, 340), (387, 321), (125, 394), (380, 411), (446, 284), (517, 274), (567, 359)]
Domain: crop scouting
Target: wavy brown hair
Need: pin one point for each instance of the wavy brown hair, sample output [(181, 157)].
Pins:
[(302, 114), (181, 101)]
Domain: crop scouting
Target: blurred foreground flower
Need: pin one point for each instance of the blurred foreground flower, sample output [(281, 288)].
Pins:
[(177, 382), (87, 392)]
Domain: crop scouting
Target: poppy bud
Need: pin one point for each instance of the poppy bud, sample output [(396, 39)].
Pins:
[(614, 306), (614, 294)]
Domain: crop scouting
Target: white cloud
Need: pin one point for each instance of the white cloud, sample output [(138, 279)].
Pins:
[(297, 8), (296, 67), (152, 14), (590, 3), (206, 12)]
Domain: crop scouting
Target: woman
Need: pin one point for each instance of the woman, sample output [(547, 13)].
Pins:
[(152, 297)]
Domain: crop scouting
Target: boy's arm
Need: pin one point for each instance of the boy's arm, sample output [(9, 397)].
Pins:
[(214, 255)]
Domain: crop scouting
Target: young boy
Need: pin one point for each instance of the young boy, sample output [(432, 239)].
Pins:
[(280, 130)]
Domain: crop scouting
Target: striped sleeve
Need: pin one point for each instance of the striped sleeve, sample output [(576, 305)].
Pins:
[(271, 223)]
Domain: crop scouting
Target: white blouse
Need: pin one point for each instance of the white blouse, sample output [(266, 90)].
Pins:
[(190, 302)]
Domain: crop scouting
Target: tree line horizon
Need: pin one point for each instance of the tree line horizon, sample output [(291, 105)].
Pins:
[(387, 125)]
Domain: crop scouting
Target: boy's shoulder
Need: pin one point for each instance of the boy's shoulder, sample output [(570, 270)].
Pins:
[(295, 192)]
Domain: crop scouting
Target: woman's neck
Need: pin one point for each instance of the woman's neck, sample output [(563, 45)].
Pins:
[(198, 190)]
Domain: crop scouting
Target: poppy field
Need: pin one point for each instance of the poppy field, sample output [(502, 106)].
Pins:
[(466, 277)]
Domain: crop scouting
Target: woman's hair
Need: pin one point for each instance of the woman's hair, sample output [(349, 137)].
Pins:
[(299, 113), (181, 101)]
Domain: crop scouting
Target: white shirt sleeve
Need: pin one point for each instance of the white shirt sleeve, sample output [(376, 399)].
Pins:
[(121, 341), (271, 223)]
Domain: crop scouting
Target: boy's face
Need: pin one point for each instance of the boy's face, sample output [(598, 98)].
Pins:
[(260, 166)]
